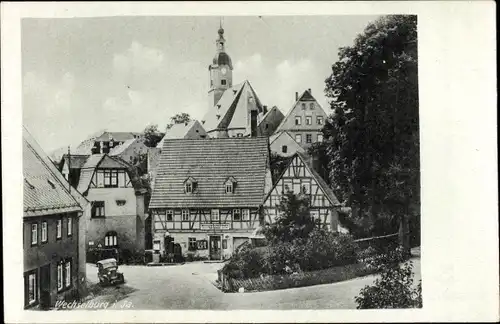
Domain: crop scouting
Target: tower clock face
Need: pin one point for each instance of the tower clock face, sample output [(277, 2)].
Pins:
[(224, 71)]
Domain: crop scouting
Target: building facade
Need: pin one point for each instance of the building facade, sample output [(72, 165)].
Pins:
[(301, 178), (207, 194), (53, 241), (305, 120), (284, 145), (118, 205), (270, 121)]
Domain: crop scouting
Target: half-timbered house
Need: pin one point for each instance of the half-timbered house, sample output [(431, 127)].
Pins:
[(207, 194), (301, 178), (118, 204)]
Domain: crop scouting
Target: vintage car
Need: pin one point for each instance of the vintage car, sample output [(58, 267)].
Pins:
[(107, 271)]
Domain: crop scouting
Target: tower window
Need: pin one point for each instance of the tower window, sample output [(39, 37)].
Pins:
[(223, 82)]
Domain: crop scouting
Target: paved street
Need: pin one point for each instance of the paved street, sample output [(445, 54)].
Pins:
[(189, 286)]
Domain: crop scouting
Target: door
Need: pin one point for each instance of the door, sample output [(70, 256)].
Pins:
[(215, 248), (45, 286)]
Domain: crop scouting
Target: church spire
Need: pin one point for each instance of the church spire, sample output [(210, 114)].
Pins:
[(221, 77)]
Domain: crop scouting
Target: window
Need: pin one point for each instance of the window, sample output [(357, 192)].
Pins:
[(223, 82), (298, 138), (189, 187), (284, 148), (170, 215), (185, 215), (59, 229), (236, 215), (215, 215), (98, 209), (59, 276), (110, 178), (224, 244), (202, 245), (111, 239), (298, 120), (229, 187), (70, 226), (308, 120), (267, 126), (311, 105), (303, 106), (319, 120), (192, 246), (34, 234), (246, 214), (68, 274), (320, 137), (121, 202), (32, 288), (304, 189), (44, 232), (308, 138)]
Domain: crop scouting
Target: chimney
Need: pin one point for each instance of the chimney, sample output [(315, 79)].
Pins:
[(253, 123), (265, 110), (309, 90), (296, 96)]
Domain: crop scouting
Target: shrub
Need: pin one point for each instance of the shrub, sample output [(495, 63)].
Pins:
[(394, 289), (246, 263)]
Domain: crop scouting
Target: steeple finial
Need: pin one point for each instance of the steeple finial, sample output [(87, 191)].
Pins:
[(221, 30)]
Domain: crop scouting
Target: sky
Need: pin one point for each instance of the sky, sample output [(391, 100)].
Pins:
[(85, 75)]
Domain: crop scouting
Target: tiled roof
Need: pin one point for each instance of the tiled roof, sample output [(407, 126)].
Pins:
[(231, 111), (117, 150), (178, 131), (211, 162), (45, 189), (117, 136), (77, 161), (306, 96)]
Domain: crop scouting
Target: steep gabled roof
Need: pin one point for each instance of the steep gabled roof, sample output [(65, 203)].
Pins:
[(211, 162), (291, 140), (232, 108), (45, 189), (93, 163), (306, 96), (179, 131), (76, 161), (328, 192)]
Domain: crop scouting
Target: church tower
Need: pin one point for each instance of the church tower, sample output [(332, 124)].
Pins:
[(221, 71)]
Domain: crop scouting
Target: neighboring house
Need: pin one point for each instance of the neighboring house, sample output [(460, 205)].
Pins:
[(104, 142), (301, 178), (118, 204), (233, 111), (305, 120), (53, 237), (192, 130), (130, 150), (70, 166), (270, 121), (207, 194), (283, 144)]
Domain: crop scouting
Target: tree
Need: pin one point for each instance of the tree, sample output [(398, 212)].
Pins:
[(394, 288), (372, 139), (152, 135), (293, 222), (278, 164), (179, 119)]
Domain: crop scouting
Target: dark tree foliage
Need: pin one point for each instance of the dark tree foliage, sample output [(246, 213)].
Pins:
[(278, 165), (179, 119), (152, 135), (372, 138), (293, 222)]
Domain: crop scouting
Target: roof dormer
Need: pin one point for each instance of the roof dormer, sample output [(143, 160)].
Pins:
[(190, 185), (230, 185)]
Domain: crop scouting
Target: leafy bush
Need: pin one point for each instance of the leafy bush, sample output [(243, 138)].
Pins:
[(246, 263), (394, 289)]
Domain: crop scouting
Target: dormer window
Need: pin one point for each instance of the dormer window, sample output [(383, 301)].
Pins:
[(190, 185), (229, 185)]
